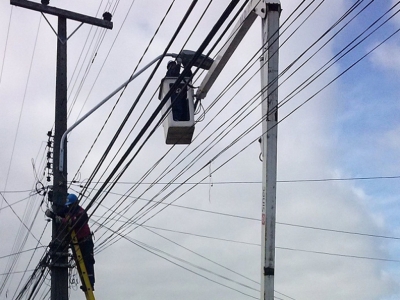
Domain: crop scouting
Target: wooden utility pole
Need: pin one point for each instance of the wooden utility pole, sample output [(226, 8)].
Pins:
[(59, 245)]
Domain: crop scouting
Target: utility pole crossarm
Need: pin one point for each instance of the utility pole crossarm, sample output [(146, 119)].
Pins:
[(249, 15), (62, 13)]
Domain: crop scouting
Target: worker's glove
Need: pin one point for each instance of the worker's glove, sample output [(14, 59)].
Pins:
[(58, 220), (49, 214)]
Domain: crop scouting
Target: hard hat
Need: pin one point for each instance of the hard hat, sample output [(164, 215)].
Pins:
[(171, 64), (71, 199)]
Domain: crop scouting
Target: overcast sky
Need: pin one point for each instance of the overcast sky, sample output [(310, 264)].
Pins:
[(337, 233)]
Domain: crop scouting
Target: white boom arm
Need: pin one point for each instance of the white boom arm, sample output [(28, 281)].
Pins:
[(252, 11)]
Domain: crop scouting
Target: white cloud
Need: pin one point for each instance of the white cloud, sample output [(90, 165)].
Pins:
[(386, 57)]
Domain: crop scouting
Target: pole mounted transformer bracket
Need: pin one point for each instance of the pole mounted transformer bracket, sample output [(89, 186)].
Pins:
[(260, 9), (268, 271)]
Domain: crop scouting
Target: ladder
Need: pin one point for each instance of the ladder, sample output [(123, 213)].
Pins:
[(80, 264)]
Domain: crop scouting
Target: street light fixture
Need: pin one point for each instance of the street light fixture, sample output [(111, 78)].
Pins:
[(185, 56)]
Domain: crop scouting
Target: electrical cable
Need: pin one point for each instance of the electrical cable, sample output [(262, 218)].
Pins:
[(22, 107), (87, 69), (187, 68), (20, 241), (193, 3), (348, 69), (29, 262), (14, 212), (283, 248), (255, 219), (12, 262), (153, 116), (101, 68), (340, 255), (10, 205), (209, 260), (128, 114), (154, 250), (200, 235), (20, 252), (225, 31), (21, 237), (246, 182), (192, 31), (5, 46), (197, 254), (96, 48), (219, 39), (80, 56), (279, 75)]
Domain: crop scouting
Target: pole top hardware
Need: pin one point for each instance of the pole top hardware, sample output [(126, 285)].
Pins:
[(107, 16), (44, 8), (203, 62)]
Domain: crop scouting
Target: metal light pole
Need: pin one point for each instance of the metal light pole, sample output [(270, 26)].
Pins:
[(269, 11), (269, 106)]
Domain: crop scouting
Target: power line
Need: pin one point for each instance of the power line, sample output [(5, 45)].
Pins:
[(9, 205), (151, 119), (162, 117), (163, 254), (16, 272), (202, 256), (198, 159), (29, 262), (5, 46), (284, 181), (298, 106), (19, 242), (21, 221), (238, 182), (101, 68), (259, 220), (22, 251), (280, 223), (96, 48), (341, 231), (22, 105), (284, 248), (200, 235), (340, 255), (129, 112)]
